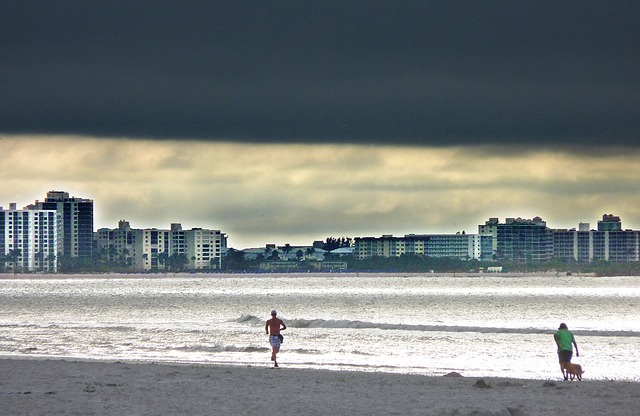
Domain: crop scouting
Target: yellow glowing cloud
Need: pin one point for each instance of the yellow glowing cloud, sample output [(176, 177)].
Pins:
[(306, 192)]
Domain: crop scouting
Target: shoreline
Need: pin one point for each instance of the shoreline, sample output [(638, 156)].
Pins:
[(7, 276), (55, 386)]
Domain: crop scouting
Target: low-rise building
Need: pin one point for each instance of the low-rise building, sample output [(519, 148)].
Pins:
[(459, 246)]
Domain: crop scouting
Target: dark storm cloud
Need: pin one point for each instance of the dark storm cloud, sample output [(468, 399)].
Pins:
[(396, 72)]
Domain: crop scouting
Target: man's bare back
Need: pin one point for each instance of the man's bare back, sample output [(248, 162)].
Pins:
[(273, 325)]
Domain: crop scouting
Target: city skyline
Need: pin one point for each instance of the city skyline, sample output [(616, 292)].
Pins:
[(289, 122), (581, 226)]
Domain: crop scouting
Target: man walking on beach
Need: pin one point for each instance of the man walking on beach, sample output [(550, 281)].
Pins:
[(273, 328), (564, 340)]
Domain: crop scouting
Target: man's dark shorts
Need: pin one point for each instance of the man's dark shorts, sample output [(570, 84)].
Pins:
[(565, 356)]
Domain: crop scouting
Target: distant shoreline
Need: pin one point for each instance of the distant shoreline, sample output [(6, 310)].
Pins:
[(6, 276)]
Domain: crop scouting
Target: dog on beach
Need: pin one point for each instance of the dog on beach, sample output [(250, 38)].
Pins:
[(573, 370)]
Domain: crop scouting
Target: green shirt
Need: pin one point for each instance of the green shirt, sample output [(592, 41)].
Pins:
[(565, 338)]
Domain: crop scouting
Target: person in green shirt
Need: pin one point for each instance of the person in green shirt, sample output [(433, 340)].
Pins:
[(565, 342)]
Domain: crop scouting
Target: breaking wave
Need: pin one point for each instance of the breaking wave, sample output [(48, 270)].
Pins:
[(347, 324), (220, 348), (239, 349)]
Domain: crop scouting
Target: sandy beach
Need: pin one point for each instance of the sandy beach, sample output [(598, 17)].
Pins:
[(58, 387)]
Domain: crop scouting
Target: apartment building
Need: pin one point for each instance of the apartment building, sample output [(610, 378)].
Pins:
[(585, 246), (524, 240), (203, 248), (28, 240), (140, 249), (490, 228), (515, 240), (75, 222), (385, 246), (152, 249), (456, 246), (610, 222)]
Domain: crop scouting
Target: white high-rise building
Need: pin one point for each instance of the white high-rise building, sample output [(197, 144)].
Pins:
[(204, 248), (28, 240), (75, 222)]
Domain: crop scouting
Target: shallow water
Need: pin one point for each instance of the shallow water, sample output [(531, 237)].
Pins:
[(477, 326)]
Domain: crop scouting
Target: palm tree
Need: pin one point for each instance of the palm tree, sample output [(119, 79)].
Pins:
[(309, 253), (13, 255), (3, 261), (40, 260), (112, 254), (50, 259), (286, 249), (215, 262), (162, 260), (178, 261), (124, 257)]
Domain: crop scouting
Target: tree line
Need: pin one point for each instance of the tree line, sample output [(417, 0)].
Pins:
[(119, 261)]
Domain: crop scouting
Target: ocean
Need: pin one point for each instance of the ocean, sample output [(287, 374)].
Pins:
[(478, 326)]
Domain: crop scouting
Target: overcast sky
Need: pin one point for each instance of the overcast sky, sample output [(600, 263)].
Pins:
[(292, 121)]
